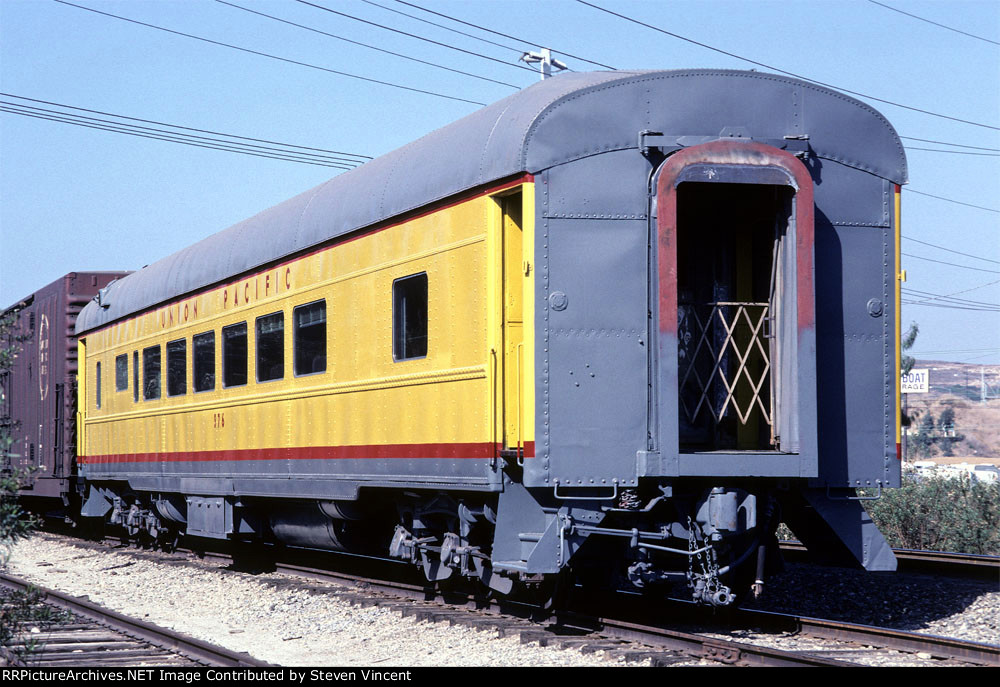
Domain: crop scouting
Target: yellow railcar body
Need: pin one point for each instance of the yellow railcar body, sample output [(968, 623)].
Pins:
[(446, 404)]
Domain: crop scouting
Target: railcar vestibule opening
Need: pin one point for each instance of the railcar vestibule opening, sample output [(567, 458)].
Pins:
[(730, 246)]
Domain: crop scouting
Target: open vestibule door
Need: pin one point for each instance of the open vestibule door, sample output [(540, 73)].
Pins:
[(734, 264)]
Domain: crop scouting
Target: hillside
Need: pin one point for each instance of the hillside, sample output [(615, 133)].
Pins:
[(958, 386)]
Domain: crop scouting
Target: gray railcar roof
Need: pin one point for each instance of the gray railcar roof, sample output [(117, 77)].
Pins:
[(557, 120)]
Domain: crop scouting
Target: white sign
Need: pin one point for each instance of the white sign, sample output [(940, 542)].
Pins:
[(915, 382)]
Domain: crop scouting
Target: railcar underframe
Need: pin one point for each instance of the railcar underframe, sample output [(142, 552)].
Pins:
[(682, 305)]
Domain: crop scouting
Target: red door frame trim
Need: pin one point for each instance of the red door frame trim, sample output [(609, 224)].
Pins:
[(743, 154)]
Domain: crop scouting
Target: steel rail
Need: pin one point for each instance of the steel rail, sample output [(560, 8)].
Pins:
[(428, 602), (721, 650), (663, 639), (189, 647), (608, 621), (915, 561), (869, 635), (724, 651)]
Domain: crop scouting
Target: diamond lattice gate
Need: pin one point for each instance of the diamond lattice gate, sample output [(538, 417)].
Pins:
[(725, 371)]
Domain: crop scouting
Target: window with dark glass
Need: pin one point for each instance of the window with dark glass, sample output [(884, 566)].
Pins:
[(177, 368), (310, 338), (204, 361), (409, 317), (121, 372), (135, 376), (151, 373), (234, 354), (271, 347), (98, 389)]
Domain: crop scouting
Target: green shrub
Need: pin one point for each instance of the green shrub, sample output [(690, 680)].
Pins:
[(15, 523), (940, 514)]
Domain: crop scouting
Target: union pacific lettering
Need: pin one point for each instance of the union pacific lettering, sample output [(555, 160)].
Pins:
[(242, 293), (255, 288), (182, 313)]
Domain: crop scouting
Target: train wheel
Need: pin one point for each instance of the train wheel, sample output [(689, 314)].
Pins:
[(92, 529), (169, 540)]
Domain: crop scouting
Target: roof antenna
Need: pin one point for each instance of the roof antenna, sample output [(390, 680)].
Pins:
[(545, 62)]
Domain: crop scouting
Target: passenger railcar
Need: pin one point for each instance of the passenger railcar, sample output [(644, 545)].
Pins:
[(624, 322)]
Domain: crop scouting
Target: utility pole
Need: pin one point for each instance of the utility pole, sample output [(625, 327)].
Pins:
[(545, 62)]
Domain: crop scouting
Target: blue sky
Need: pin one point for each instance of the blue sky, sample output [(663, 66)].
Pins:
[(74, 198)]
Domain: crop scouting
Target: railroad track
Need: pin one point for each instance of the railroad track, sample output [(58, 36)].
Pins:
[(85, 634), (849, 641), (617, 638), (611, 626), (627, 626), (942, 648), (389, 585), (929, 562)]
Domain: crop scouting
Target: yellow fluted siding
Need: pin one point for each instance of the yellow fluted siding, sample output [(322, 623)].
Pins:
[(364, 397)]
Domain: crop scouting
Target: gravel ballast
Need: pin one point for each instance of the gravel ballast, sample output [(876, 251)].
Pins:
[(275, 623), (274, 618), (960, 608)]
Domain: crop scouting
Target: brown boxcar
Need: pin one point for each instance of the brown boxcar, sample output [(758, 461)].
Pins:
[(38, 393)]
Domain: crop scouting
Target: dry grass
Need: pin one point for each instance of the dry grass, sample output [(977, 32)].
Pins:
[(957, 385)]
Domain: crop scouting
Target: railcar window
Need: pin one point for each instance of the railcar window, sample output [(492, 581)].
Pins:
[(135, 376), (98, 387), (151, 373), (204, 361), (121, 372), (409, 317), (177, 368), (310, 338), (234, 354), (271, 347)]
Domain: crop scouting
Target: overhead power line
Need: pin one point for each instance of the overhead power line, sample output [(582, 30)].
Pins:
[(173, 139), (361, 158), (576, 57), (955, 350), (958, 293), (413, 35), (929, 298), (175, 134), (782, 71), (947, 306), (504, 35), (953, 305), (951, 264), (951, 297), (943, 26), (483, 28), (932, 245), (270, 56), (365, 45), (446, 28), (957, 202), (946, 143), (953, 152), (909, 299)]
